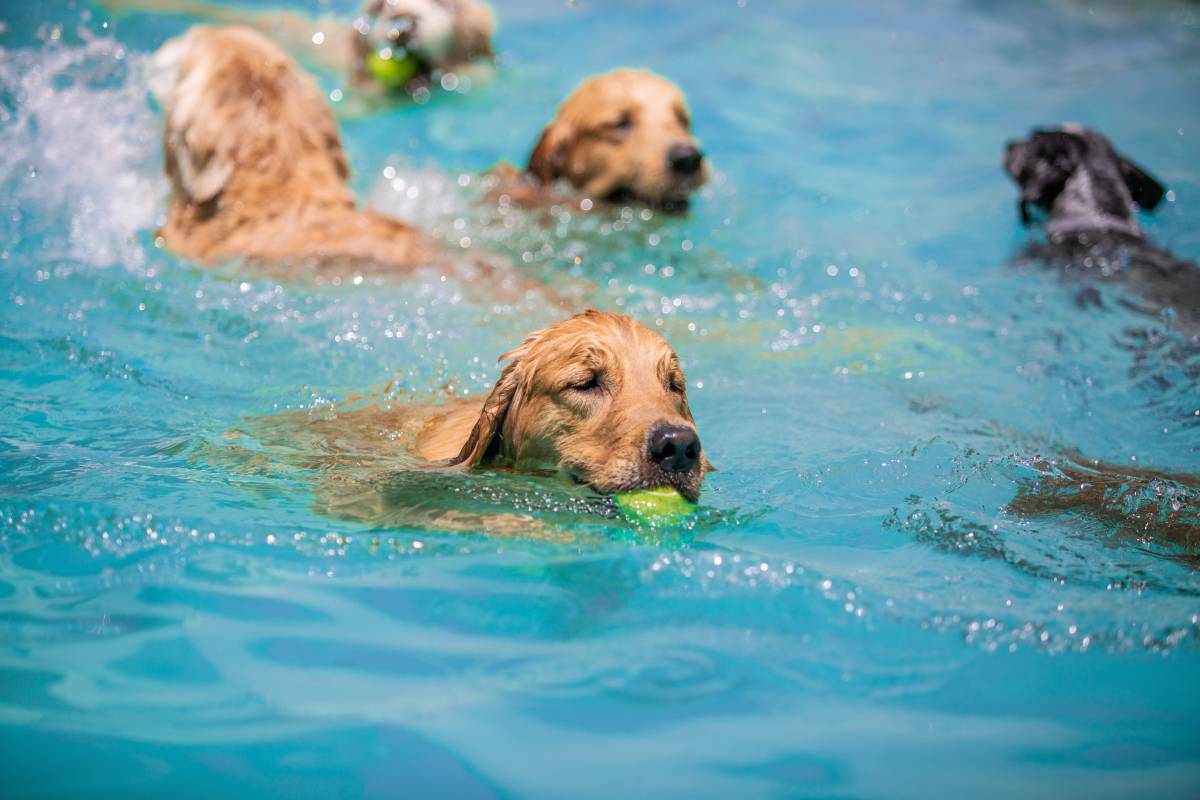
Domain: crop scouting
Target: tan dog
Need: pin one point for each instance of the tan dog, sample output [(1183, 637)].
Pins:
[(256, 167), (625, 135), (443, 35), (598, 398)]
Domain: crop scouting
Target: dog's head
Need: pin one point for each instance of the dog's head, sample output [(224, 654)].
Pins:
[(624, 134), (440, 33), (1076, 176), (242, 118), (600, 397)]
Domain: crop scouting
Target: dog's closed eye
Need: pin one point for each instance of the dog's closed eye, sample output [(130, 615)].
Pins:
[(589, 384), (621, 124)]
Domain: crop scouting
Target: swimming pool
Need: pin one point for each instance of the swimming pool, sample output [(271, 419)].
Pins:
[(858, 611)]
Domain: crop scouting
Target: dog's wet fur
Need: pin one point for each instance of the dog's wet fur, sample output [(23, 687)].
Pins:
[(1088, 195), (597, 401), (258, 175), (621, 137), (599, 397), (256, 164)]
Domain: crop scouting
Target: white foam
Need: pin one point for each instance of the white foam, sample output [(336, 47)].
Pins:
[(80, 150)]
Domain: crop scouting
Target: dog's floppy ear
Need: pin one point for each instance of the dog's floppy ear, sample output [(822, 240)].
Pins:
[(1145, 189), (194, 143), (491, 419), (200, 170), (549, 158), (499, 404)]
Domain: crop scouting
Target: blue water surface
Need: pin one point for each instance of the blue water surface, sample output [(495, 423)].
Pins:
[(860, 609)]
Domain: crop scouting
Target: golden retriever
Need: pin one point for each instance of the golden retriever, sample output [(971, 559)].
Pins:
[(624, 135), (256, 166), (598, 399), (444, 36)]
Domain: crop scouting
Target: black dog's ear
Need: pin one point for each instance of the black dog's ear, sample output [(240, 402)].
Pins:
[(1145, 189)]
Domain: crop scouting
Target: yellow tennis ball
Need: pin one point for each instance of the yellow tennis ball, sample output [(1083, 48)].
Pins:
[(393, 72), (660, 505)]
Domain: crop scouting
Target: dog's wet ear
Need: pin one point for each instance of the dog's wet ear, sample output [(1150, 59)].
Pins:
[(195, 158), (485, 435), (1145, 189), (491, 420), (549, 157)]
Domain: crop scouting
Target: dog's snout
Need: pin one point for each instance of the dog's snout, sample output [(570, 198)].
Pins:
[(674, 448), (684, 159)]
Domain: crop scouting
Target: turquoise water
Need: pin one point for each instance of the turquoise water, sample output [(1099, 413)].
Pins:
[(859, 610)]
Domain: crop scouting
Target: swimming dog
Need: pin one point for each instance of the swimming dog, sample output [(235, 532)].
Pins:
[(258, 174), (622, 136), (1089, 193), (598, 400)]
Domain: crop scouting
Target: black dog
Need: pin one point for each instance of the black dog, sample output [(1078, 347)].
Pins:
[(1088, 191)]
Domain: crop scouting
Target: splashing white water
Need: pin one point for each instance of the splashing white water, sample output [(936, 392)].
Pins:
[(80, 171)]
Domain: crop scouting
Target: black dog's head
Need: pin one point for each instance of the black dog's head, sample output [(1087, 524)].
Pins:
[(1075, 176)]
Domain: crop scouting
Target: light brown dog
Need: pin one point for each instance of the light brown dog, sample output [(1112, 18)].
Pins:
[(256, 166), (598, 398), (625, 135)]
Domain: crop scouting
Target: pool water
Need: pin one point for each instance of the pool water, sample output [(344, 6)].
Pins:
[(864, 606)]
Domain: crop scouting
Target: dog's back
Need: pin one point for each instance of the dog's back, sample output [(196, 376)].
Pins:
[(256, 166), (1158, 278)]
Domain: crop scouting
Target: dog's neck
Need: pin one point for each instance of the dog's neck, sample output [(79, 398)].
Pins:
[(1091, 204)]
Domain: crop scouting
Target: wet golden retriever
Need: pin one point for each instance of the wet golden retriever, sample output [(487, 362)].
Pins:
[(258, 175), (598, 399), (625, 135), (256, 166)]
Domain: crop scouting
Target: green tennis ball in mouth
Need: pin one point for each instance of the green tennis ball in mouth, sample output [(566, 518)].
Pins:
[(657, 506), (395, 71)]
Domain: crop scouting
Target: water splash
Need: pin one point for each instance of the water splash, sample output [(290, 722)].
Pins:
[(81, 169)]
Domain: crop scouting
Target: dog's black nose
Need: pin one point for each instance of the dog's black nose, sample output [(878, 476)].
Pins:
[(684, 159), (674, 448)]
